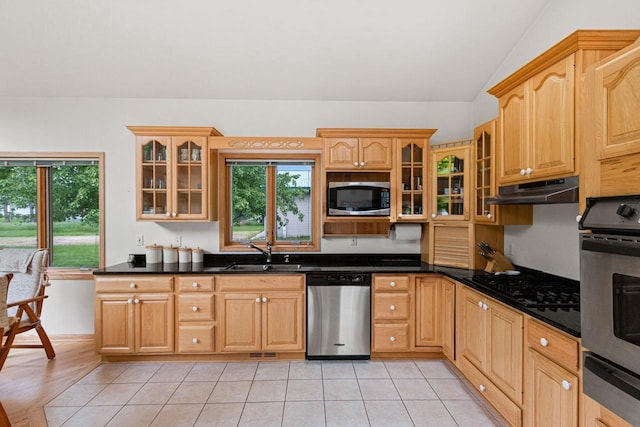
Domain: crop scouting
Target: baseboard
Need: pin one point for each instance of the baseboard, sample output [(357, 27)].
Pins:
[(34, 339)]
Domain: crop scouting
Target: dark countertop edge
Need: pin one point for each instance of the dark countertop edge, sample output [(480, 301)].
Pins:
[(371, 264)]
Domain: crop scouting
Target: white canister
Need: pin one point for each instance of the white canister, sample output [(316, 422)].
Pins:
[(153, 254), (184, 255), (197, 255), (170, 255)]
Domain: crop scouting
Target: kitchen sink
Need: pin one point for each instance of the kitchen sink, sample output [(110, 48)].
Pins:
[(264, 267)]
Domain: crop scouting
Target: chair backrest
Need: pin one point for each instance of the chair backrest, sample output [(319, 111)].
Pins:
[(28, 285), (4, 287)]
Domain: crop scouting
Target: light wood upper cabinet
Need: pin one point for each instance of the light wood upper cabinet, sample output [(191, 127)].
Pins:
[(485, 161), (173, 168), (536, 126), (411, 175), (451, 168), (617, 85), (358, 153), (540, 105)]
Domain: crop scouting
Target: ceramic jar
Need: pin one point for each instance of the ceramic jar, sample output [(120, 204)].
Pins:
[(197, 256), (170, 255), (153, 254), (184, 255)]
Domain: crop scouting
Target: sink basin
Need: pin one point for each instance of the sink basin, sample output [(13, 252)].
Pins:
[(261, 267)]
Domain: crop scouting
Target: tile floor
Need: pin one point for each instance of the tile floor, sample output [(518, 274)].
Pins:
[(304, 393)]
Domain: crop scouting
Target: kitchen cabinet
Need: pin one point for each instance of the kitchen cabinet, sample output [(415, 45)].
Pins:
[(196, 314), (610, 126), (448, 318), (173, 174), (391, 313), (411, 174), (596, 415), (539, 107), (261, 313), (489, 343), (551, 377), (357, 153), (451, 165), (536, 126), (134, 315), (429, 311)]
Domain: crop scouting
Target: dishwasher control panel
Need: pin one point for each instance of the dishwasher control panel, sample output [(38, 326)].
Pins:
[(337, 279)]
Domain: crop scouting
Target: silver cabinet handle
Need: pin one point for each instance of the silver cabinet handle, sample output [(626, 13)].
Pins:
[(392, 308), (392, 339), (566, 385), (195, 340), (544, 342), (194, 308), (132, 285), (264, 299), (257, 299)]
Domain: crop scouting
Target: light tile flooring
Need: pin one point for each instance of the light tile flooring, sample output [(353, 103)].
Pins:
[(304, 393)]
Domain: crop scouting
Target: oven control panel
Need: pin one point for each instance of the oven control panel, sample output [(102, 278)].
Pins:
[(613, 214)]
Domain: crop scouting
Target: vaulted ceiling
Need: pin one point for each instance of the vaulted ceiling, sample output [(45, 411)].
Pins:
[(350, 50)]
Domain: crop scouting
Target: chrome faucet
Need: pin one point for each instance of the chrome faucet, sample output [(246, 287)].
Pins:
[(266, 253)]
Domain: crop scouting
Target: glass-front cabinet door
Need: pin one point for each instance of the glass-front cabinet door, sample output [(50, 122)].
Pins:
[(412, 173), (154, 155), (190, 176), (451, 171), (485, 172)]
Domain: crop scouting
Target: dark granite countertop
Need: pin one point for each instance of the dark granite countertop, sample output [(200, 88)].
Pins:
[(565, 320)]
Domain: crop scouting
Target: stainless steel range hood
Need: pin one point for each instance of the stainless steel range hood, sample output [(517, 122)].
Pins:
[(563, 190)]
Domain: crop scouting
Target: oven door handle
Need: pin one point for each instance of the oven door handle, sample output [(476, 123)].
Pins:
[(617, 378), (611, 246)]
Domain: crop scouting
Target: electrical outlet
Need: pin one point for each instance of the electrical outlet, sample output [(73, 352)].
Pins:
[(509, 249), (139, 240), (177, 241), (354, 241)]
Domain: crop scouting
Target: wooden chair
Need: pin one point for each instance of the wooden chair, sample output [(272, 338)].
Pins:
[(5, 323), (24, 302)]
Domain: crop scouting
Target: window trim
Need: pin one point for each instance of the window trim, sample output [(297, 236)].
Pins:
[(63, 273), (224, 190)]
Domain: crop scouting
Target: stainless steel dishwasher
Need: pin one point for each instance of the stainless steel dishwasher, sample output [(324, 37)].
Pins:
[(338, 316)]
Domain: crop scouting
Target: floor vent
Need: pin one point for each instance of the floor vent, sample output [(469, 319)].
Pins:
[(269, 355), (255, 354)]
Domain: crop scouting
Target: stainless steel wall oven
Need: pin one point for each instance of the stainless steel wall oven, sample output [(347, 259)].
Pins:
[(610, 303)]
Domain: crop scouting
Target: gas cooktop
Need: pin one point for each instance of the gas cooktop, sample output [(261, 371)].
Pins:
[(534, 289)]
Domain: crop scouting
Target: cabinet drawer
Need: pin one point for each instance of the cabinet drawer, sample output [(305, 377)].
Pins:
[(390, 283), (391, 337), (134, 284), (195, 338), (260, 283), (195, 307), (509, 410), (195, 283), (391, 306), (553, 345)]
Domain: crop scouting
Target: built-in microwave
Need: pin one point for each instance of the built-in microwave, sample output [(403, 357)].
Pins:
[(358, 198)]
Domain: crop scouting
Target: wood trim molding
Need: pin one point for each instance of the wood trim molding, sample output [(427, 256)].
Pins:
[(376, 133), (174, 130), (578, 40), (264, 143)]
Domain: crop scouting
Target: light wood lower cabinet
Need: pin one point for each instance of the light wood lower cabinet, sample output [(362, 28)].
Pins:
[(489, 343), (429, 311), (134, 315), (391, 314), (261, 313), (596, 415), (196, 314)]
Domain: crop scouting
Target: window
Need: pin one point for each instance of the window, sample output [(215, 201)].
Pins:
[(54, 201), (270, 198)]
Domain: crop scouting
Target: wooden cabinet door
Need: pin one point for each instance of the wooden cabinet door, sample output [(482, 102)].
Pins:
[(485, 182), (618, 85), (411, 178), (471, 327), (153, 177), (190, 178), (448, 318), (114, 332), (551, 119), (451, 169), (552, 393), (513, 134), (341, 153), (154, 323), (282, 321), (504, 349), (240, 318), (428, 311), (375, 153)]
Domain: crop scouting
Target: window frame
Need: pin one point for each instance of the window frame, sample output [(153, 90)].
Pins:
[(43, 216), (224, 190)]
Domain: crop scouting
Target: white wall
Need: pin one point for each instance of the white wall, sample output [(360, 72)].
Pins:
[(66, 124), (554, 226)]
